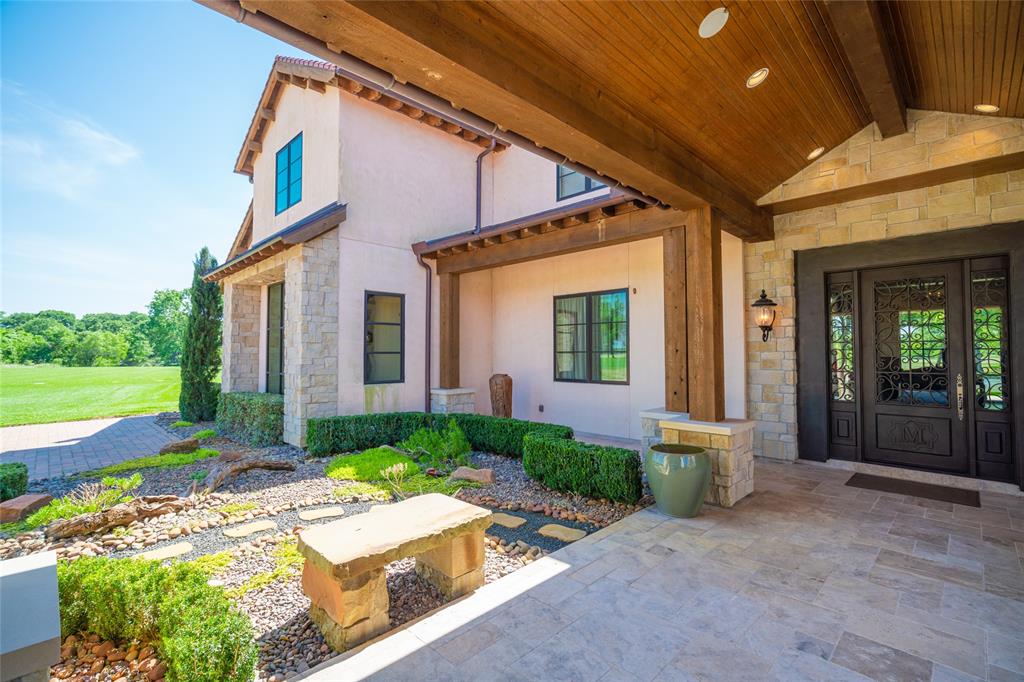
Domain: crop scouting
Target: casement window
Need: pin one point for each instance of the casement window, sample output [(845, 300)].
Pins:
[(384, 339), (592, 337), (289, 175), (571, 183), (275, 338)]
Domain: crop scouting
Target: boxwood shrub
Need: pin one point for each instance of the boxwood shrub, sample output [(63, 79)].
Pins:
[(583, 468), (200, 635), (253, 418), (351, 433), (13, 480)]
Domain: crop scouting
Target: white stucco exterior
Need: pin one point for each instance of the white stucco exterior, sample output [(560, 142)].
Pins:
[(404, 182)]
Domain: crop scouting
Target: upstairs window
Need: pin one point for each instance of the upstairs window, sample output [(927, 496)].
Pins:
[(384, 344), (592, 337), (572, 183), (289, 175)]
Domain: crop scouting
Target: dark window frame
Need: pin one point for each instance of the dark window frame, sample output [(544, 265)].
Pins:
[(589, 296), (589, 184), (366, 330), (280, 350), (286, 149)]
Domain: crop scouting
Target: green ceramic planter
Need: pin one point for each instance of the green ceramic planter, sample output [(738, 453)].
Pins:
[(679, 476)]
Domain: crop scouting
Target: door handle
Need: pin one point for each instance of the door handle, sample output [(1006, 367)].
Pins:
[(960, 396)]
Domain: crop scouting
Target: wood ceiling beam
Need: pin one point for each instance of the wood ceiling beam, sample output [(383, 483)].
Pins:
[(619, 229), (862, 36), (456, 51)]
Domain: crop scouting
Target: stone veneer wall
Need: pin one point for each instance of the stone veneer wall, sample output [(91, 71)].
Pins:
[(310, 335), (448, 400), (241, 338), (933, 140)]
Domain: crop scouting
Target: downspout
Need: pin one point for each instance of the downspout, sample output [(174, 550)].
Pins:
[(427, 334), (479, 183), (385, 82)]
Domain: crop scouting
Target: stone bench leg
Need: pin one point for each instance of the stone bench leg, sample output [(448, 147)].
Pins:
[(455, 568), (348, 611)]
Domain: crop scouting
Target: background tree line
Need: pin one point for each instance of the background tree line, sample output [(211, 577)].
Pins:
[(98, 339)]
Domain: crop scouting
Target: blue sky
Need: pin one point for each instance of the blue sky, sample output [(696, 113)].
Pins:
[(119, 129)]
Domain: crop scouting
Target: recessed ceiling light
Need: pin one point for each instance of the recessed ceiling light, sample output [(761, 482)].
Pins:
[(816, 153), (713, 22), (986, 108), (757, 77)]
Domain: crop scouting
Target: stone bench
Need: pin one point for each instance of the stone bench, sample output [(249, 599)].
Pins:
[(345, 560)]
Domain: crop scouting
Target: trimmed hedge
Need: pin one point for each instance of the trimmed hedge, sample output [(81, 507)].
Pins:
[(352, 433), (583, 468), (253, 418), (13, 480), (201, 636)]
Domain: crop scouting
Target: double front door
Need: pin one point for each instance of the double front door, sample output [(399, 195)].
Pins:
[(918, 366)]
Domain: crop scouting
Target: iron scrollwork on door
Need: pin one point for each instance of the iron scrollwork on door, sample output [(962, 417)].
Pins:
[(911, 342), (989, 338), (841, 340)]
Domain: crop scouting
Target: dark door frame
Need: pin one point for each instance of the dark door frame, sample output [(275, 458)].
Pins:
[(812, 269)]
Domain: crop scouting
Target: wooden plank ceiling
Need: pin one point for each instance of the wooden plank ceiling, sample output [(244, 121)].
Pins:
[(631, 90)]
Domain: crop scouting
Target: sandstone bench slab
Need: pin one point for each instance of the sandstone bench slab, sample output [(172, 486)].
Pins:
[(344, 575)]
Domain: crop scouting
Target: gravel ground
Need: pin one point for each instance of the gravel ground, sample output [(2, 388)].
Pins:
[(528, 531)]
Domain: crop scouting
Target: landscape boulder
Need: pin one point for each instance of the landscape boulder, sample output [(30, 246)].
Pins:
[(185, 445), (18, 508), (485, 476)]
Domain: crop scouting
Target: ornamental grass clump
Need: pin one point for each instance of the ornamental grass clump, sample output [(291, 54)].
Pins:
[(200, 635), (85, 499)]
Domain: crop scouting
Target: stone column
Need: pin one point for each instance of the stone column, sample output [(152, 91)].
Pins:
[(241, 338), (448, 400), (729, 443), (310, 335)]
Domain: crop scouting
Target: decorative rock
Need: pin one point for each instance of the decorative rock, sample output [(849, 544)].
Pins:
[(19, 507), (563, 533), (185, 445), (485, 476), (167, 552), (249, 529), (507, 520), (326, 512)]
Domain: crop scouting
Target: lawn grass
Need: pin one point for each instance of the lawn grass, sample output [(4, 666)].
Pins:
[(40, 394)]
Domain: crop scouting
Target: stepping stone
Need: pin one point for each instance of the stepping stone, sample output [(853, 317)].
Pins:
[(507, 520), (324, 513), (563, 533), (249, 528), (167, 552)]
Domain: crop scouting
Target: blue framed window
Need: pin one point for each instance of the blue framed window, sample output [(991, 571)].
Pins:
[(572, 183), (289, 175)]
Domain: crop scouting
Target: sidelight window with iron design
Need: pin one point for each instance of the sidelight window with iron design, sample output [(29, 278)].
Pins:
[(841, 341), (989, 339), (911, 342)]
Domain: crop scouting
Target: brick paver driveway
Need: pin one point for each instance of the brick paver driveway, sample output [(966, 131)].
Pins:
[(68, 447)]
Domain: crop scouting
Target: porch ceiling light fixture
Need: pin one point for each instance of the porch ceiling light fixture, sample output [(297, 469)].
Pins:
[(764, 314), (816, 153), (757, 77), (986, 108), (713, 22)]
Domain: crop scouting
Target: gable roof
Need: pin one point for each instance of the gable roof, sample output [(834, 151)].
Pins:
[(243, 238), (317, 75)]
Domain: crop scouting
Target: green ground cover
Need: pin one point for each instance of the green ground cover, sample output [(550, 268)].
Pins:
[(39, 394)]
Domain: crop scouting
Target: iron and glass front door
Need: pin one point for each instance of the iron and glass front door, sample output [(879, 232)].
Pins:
[(914, 386)]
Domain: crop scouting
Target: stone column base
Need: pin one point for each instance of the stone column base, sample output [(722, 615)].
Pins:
[(729, 444), (449, 400)]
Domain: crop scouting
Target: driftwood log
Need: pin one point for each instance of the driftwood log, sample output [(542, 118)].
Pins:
[(118, 515), (501, 395), (230, 464)]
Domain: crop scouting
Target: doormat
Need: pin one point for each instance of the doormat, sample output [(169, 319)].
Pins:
[(930, 491)]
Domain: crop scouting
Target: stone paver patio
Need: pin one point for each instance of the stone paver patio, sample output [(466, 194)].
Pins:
[(807, 579), (68, 447)]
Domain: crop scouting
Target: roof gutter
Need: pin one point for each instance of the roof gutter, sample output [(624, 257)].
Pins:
[(371, 76)]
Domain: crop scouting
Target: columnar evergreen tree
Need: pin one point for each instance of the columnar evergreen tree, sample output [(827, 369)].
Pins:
[(200, 357)]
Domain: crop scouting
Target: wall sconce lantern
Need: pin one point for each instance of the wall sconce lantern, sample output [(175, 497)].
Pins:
[(764, 314)]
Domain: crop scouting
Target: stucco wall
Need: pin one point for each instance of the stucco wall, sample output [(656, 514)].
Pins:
[(506, 327), (316, 116), (933, 140)]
